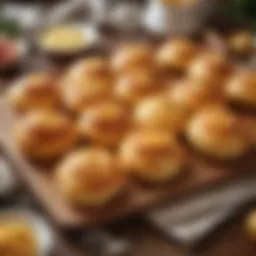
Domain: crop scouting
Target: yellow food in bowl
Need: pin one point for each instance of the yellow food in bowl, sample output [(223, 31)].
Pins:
[(250, 225), (17, 239), (178, 2), (65, 38), (241, 42)]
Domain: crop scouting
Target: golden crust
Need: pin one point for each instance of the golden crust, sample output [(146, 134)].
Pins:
[(17, 238), (90, 177), (241, 42), (210, 69), (241, 88), (152, 155), (132, 88), (36, 91), (250, 225), (94, 67), (176, 54), (133, 57), (45, 134), (104, 123), (78, 94), (157, 113), (188, 96), (215, 131)]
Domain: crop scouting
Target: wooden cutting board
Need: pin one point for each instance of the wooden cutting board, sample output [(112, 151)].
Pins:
[(202, 173)]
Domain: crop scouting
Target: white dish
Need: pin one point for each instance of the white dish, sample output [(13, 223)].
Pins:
[(90, 35), (42, 230)]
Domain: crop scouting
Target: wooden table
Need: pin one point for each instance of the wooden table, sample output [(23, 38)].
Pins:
[(229, 240)]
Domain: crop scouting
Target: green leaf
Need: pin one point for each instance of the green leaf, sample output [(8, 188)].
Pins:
[(9, 27), (244, 10), (250, 8)]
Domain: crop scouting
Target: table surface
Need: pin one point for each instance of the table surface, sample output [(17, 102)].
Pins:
[(229, 240)]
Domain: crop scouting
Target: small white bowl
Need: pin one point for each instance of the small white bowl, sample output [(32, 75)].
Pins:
[(162, 19), (91, 40), (42, 230)]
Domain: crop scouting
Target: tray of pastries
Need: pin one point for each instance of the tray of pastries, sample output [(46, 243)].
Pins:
[(114, 135)]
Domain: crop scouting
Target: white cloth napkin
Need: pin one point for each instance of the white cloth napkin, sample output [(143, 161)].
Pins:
[(192, 219)]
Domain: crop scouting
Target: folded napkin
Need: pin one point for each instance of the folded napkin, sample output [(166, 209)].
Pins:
[(193, 219)]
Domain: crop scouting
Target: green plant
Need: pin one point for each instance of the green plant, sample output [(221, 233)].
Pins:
[(242, 9), (9, 27)]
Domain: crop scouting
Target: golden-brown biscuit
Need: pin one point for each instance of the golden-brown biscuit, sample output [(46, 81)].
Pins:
[(104, 123), (78, 94), (241, 42), (210, 69), (176, 54), (153, 156), (216, 132), (178, 2), (17, 238), (131, 88), (90, 177), (157, 113), (250, 225), (133, 57), (44, 134), (188, 96), (35, 91), (241, 88), (94, 67)]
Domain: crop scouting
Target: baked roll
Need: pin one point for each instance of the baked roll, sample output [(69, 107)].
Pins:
[(241, 43), (176, 54), (153, 156), (90, 177), (78, 94), (104, 123), (157, 113), (250, 225), (17, 238), (241, 88), (133, 57), (188, 96), (94, 67), (216, 132), (44, 135), (134, 87), (210, 69), (36, 91)]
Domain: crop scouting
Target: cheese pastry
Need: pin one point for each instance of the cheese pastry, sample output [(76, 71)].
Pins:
[(45, 134), (215, 131), (153, 156), (104, 123), (176, 54), (35, 91), (241, 88), (90, 177)]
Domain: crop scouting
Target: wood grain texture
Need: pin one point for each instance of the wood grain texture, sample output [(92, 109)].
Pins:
[(202, 173)]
